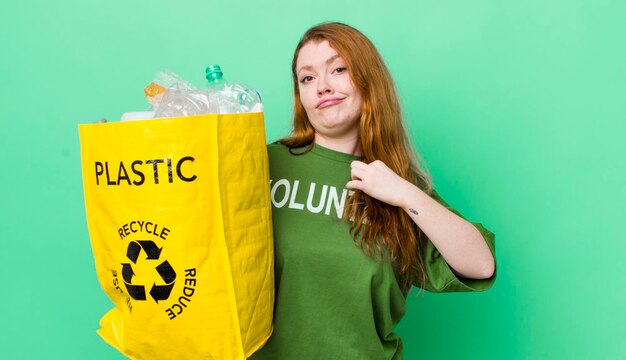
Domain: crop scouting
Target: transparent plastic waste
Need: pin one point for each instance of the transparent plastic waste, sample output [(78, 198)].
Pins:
[(172, 96), (228, 97), (137, 115)]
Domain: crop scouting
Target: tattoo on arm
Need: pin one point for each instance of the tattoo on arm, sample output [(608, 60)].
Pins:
[(413, 211)]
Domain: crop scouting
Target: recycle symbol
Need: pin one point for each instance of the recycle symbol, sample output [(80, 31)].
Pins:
[(165, 270)]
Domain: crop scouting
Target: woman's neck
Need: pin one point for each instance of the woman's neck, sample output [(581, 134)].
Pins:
[(350, 145)]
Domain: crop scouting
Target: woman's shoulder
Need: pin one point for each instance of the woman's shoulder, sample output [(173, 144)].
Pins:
[(278, 152), (277, 149), (275, 146)]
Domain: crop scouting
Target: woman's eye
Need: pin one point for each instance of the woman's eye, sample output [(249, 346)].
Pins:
[(306, 79), (340, 70)]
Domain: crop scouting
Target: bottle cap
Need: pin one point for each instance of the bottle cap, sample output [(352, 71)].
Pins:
[(213, 72)]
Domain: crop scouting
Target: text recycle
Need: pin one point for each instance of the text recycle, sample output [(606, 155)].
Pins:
[(161, 280)]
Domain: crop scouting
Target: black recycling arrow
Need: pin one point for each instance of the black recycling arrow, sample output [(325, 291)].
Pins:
[(127, 273), (161, 292), (167, 272), (137, 292), (151, 249), (133, 251)]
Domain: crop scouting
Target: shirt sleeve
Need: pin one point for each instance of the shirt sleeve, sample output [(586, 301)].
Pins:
[(439, 275)]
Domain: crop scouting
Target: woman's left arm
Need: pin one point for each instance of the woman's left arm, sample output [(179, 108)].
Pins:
[(458, 241)]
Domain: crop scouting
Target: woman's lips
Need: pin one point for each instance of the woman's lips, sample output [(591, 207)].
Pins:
[(327, 102)]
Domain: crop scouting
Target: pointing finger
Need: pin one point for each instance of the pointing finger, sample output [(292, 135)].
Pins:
[(357, 173), (354, 185)]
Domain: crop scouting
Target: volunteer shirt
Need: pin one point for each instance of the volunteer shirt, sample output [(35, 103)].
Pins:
[(333, 301)]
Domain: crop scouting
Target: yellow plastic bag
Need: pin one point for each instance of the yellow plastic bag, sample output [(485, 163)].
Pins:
[(179, 218)]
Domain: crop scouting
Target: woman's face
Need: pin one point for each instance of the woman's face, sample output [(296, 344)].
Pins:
[(327, 93)]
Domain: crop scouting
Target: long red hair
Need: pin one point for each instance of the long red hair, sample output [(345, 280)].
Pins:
[(376, 226)]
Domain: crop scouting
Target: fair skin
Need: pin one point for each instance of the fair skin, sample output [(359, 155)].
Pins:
[(333, 107), (327, 93), (458, 241)]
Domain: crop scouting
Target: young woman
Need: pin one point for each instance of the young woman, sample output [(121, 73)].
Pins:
[(356, 221)]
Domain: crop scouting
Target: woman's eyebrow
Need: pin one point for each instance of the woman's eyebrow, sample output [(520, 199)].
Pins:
[(305, 67), (328, 61), (331, 59)]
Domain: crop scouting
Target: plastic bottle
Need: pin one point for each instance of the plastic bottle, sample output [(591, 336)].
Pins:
[(230, 97), (172, 96)]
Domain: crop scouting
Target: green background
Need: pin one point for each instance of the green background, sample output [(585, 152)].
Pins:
[(519, 109)]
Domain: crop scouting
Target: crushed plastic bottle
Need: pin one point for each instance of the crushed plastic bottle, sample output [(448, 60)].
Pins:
[(171, 96), (228, 97)]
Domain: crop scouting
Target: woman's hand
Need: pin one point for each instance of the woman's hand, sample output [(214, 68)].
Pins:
[(458, 241), (380, 182)]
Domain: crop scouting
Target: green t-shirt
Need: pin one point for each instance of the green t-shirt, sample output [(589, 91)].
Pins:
[(333, 301)]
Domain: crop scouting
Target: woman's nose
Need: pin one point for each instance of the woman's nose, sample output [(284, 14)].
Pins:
[(323, 87)]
